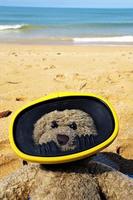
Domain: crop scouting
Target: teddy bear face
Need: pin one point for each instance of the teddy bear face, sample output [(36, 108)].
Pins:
[(63, 127)]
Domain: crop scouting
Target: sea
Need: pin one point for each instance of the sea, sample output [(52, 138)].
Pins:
[(66, 25)]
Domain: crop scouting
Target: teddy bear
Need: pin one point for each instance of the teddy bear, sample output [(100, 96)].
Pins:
[(66, 129), (94, 178)]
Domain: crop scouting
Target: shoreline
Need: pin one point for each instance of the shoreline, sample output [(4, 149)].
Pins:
[(62, 42), (25, 43)]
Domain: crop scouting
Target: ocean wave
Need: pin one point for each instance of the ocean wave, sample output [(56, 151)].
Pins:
[(114, 39), (13, 27)]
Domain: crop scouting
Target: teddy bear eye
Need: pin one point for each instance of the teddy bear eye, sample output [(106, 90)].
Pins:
[(73, 125), (54, 124)]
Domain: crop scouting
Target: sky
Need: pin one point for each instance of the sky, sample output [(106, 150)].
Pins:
[(70, 3)]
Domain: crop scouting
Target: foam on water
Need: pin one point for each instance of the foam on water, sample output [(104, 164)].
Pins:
[(12, 27), (119, 39), (72, 25)]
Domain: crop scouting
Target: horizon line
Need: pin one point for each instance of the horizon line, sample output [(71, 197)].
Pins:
[(66, 7)]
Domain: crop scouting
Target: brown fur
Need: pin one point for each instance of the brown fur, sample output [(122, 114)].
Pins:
[(43, 132), (83, 180)]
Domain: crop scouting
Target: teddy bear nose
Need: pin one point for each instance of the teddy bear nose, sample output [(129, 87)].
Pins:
[(62, 139)]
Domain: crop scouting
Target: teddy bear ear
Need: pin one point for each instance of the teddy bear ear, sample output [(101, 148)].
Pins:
[(22, 126)]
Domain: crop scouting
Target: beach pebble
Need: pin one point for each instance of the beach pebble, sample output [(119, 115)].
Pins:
[(20, 98), (5, 113)]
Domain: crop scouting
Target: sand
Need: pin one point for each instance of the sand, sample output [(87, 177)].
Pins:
[(28, 72)]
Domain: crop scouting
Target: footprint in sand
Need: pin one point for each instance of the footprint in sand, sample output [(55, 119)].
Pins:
[(58, 53), (43, 59), (14, 53), (52, 67), (59, 77)]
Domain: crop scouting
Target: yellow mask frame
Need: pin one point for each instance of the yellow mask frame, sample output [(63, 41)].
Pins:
[(101, 109)]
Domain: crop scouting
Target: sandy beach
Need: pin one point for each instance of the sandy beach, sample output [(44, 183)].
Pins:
[(28, 72)]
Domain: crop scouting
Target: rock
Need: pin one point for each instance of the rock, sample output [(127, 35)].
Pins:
[(20, 98), (5, 113)]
